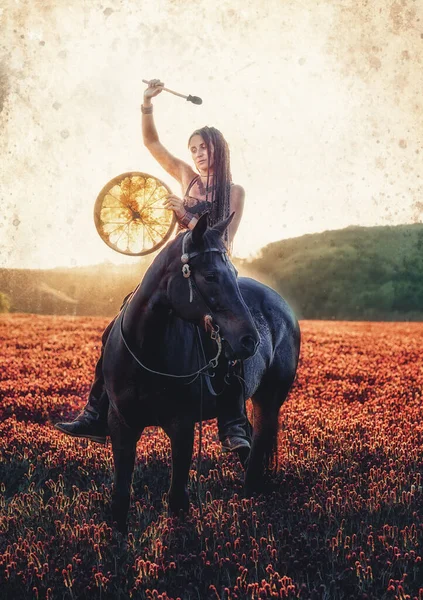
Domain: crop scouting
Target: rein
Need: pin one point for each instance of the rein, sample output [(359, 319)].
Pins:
[(212, 364)]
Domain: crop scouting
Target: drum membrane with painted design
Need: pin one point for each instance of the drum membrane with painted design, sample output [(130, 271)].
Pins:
[(129, 214)]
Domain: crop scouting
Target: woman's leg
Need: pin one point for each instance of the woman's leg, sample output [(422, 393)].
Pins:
[(233, 426), (91, 422)]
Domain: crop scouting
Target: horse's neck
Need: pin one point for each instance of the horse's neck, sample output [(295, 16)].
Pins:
[(143, 320), (145, 313)]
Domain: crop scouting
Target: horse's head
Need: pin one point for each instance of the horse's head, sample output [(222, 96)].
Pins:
[(202, 281)]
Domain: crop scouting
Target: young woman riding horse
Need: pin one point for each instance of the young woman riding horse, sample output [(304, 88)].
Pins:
[(210, 190)]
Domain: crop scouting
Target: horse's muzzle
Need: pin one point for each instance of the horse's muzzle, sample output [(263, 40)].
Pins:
[(247, 347)]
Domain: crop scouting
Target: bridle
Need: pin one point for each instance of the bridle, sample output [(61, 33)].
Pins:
[(186, 270)]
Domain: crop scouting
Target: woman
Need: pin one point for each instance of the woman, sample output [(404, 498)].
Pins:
[(212, 190)]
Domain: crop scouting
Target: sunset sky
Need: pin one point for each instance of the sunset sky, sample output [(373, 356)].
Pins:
[(321, 103)]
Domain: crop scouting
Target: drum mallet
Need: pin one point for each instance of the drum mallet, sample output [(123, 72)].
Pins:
[(193, 99)]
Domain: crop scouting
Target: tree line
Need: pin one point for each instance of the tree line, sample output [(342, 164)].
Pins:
[(373, 273), (356, 273)]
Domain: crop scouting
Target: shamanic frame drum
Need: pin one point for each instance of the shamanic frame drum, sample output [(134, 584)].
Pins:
[(129, 214)]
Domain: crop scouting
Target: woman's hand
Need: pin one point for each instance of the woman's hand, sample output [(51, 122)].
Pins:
[(176, 204), (155, 86)]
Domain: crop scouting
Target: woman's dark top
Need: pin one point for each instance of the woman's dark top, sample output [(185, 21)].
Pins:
[(197, 200)]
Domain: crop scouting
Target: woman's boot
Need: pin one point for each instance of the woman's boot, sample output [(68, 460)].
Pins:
[(91, 423), (234, 430)]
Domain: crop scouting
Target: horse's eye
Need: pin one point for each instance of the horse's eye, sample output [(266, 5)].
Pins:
[(210, 278)]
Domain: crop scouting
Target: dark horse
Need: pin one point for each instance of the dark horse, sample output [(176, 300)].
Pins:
[(192, 287)]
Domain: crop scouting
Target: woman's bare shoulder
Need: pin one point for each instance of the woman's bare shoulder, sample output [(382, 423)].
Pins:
[(188, 175)]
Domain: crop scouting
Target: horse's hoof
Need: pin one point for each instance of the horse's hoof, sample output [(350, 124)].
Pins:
[(120, 528), (178, 508), (178, 513), (253, 488)]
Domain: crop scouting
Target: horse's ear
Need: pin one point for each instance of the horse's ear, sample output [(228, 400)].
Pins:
[(223, 225), (199, 229)]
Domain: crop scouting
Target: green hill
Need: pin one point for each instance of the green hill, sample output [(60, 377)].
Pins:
[(357, 273), (371, 273)]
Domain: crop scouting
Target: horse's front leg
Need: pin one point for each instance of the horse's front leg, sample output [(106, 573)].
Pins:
[(181, 433), (124, 443), (264, 446)]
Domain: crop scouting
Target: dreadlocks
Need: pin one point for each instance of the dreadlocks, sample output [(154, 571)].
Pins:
[(222, 178)]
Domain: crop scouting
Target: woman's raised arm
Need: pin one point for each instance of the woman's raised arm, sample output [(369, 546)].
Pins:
[(179, 169)]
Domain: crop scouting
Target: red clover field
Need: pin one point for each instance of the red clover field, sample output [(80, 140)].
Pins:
[(343, 519)]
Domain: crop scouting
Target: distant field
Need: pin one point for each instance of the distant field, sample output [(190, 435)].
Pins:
[(345, 521)]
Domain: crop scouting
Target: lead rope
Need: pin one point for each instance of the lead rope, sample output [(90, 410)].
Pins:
[(200, 438), (208, 375), (200, 451)]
